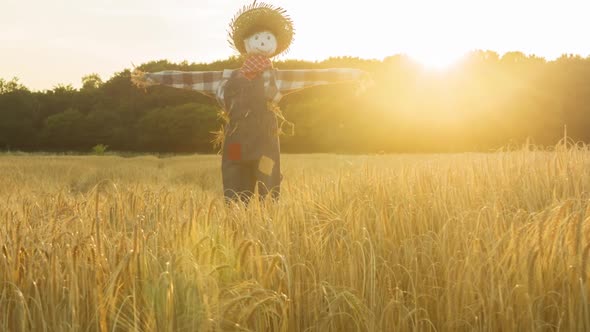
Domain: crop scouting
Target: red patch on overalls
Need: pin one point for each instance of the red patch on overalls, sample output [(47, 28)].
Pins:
[(234, 151)]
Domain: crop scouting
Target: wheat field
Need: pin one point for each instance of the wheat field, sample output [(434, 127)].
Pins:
[(457, 242)]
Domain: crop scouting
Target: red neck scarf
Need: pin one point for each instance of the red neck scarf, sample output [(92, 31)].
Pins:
[(254, 65)]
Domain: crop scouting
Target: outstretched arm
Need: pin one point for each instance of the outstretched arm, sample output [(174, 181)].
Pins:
[(289, 81), (206, 82)]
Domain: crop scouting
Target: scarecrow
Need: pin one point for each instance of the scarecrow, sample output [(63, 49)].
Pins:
[(249, 96)]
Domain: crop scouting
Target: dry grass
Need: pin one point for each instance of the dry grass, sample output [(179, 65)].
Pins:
[(370, 243)]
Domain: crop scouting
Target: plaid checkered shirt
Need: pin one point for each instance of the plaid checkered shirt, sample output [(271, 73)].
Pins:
[(277, 83)]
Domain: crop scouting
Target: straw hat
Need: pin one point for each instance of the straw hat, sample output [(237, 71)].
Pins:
[(257, 17)]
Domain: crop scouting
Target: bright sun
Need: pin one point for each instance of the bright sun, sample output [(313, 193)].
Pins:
[(436, 60)]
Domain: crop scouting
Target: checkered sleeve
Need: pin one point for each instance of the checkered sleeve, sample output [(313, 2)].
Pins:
[(206, 82), (289, 81)]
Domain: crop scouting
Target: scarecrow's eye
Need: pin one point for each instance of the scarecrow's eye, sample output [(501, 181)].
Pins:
[(268, 37), (256, 37)]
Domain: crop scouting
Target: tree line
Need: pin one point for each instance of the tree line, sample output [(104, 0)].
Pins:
[(482, 103)]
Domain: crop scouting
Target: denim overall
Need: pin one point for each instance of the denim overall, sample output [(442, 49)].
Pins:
[(251, 154)]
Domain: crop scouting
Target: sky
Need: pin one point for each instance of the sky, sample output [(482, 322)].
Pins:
[(50, 42)]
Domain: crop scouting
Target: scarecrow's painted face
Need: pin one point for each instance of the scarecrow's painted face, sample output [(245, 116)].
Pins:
[(263, 43)]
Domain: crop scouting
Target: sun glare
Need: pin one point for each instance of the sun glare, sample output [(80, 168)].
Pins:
[(437, 60)]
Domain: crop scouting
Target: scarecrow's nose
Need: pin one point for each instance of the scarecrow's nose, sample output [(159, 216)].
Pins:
[(262, 44)]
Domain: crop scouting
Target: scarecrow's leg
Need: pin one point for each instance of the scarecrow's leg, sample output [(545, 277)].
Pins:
[(239, 179), (268, 176)]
